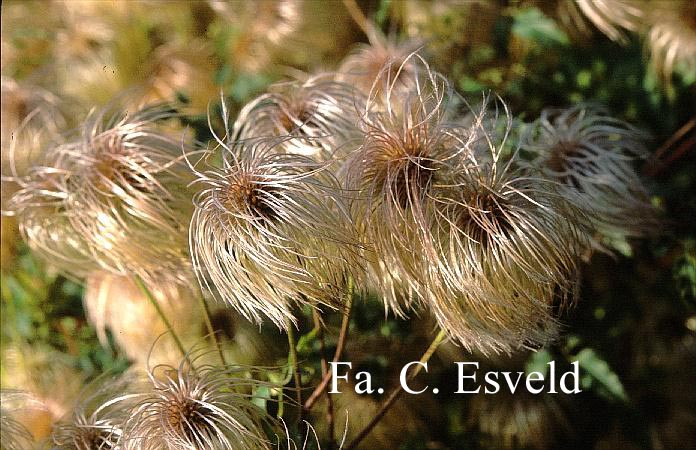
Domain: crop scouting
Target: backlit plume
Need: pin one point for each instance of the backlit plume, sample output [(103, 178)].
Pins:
[(207, 408), (96, 420), (507, 245), (113, 197), (593, 155), (405, 147), (319, 116), (270, 230)]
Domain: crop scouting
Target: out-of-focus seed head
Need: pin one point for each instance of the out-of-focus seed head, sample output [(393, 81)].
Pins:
[(371, 66), (271, 35), (97, 419), (669, 28), (13, 434), (101, 51), (48, 383), (671, 37), (593, 156), (206, 408), (180, 68), (439, 25), (612, 17), (519, 420), (270, 230), (113, 198), (30, 118), (319, 116), (45, 225), (354, 412), (30, 114), (116, 303)]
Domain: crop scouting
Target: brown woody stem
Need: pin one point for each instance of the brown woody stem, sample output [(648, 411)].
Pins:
[(339, 349), (396, 392)]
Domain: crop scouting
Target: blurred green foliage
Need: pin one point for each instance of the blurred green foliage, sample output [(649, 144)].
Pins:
[(44, 309)]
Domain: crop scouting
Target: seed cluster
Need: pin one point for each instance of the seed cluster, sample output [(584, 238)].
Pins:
[(380, 176)]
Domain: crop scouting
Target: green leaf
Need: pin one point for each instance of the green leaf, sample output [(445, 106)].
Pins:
[(382, 12), (538, 362), (531, 24), (306, 342), (468, 84), (246, 85), (261, 397), (598, 371), (685, 277)]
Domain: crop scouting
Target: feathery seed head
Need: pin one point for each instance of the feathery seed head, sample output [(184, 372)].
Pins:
[(118, 193), (611, 17), (30, 117), (115, 302), (406, 145), (592, 155), (370, 66), (13, 434), (48, 382), (271, 35), (262, 25), (270, 229), (97, 419), (206, 408), (319, 116), (672, 37), (44, 222), (669, 26), (519, 421), (505, 245)]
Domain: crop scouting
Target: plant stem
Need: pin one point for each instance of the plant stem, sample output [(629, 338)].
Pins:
[(339, 348), (292, 360), (396, 392), (209, 324), (151, 298), (324, 371), (359, 18), (654, 166)]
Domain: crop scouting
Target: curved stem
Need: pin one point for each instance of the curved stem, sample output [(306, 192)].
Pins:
[(324, 371), (339, 348), (654, 166), (396, 392), (151, 298), (292, 361), (359, 18), (209, 325)]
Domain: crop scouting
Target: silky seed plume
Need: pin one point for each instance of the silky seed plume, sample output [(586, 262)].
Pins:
[(406, 145), (593, 155), (319, 116), (207, 408), (113, 197), (271, 230), (97, 419), (507, 245)]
